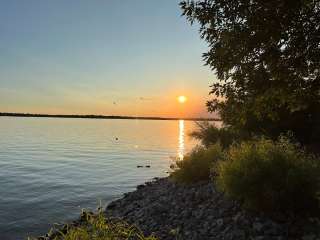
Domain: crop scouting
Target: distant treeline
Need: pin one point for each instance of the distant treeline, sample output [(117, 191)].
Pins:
[(100, 117)]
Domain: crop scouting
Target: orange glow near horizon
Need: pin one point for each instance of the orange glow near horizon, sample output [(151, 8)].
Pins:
[(180, 103), (182, 99)]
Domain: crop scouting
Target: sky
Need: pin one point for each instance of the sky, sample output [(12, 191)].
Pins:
[(110, 57)]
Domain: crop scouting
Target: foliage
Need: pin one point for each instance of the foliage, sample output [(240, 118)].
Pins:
[(196, 165), (270, 176), (209, 134), (97, 227), (266, 56)]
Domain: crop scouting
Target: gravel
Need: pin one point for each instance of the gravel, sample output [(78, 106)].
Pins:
[(199, 212)]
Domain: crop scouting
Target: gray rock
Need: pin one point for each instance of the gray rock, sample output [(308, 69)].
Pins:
[(309, 237), (200, 212), (257, 226), (219, 222)]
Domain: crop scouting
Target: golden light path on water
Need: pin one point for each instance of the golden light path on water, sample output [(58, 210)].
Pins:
[(181, 140)]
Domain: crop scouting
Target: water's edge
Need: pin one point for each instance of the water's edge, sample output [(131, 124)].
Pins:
[(198, 211)]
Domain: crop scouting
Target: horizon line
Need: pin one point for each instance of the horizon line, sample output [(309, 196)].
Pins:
[(94, 116)]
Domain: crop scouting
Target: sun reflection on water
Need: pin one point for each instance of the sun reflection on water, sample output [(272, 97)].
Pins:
[(181, 140)]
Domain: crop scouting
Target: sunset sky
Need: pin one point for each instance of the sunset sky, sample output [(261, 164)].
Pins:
[(106, 57)]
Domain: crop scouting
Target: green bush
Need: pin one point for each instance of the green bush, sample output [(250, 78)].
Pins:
[(210, 134), (270, 176), (196, 165)]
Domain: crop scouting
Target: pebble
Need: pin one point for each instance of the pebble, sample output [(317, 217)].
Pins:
[(199, 212)]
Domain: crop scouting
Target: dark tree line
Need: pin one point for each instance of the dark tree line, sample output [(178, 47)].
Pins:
[(266, 55)]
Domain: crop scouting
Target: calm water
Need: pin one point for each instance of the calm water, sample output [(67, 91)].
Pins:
[(51, 168)]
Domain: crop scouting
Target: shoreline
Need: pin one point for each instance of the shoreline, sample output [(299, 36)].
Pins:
[(32, 115), (199, 212)]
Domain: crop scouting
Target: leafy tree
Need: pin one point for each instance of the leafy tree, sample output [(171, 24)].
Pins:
[(266, 55)]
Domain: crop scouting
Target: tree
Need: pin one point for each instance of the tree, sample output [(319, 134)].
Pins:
[(266, 55)]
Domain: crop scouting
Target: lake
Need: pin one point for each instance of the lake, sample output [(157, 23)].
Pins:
[(52, 168)]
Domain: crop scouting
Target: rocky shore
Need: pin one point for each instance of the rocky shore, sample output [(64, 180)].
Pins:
[(172, 211), (199, 212)]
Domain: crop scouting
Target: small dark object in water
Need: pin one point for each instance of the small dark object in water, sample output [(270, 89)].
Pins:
[(139, 166), (147, 166)]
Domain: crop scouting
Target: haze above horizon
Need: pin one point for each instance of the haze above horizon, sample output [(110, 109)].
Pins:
[(101, 58)]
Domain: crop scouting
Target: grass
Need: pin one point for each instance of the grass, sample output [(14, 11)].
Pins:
[(98, 227)]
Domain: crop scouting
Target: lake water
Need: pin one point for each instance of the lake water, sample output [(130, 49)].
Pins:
[(52, 168)]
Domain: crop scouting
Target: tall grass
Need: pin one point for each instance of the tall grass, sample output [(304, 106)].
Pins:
[(98, 227)]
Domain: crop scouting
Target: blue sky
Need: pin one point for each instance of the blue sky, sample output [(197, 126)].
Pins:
[(127, 57)]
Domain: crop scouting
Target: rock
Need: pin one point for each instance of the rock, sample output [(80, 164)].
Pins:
[(199, 212), (140, 186), (260, 238), (239, 234), (257, 226), (237, 217), (309, 237), (219, 222), (112, 205)]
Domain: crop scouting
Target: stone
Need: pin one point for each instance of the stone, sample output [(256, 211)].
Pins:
[(199, 212), (257, 226), (219, 222), (309, 237)]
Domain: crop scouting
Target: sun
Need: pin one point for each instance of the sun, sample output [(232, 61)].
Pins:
[(182, 99)]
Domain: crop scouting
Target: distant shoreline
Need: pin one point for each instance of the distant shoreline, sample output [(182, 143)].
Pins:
[(32, 115)]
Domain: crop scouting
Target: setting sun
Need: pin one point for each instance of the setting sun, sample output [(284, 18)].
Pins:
[(182, 99)]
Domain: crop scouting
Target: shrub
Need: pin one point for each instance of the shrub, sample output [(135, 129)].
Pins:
[(97, 227), (270, 176), (210, 134), (197, 164)]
